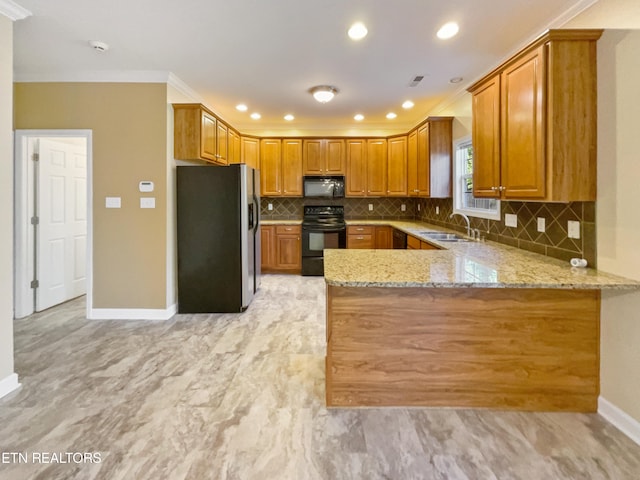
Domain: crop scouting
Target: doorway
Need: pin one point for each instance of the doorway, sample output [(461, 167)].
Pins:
[(52, 218)]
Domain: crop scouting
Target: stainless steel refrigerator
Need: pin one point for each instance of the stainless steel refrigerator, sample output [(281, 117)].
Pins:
[(218, 210)]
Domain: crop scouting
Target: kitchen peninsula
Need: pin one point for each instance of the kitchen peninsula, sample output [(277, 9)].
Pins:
[(475, 324)]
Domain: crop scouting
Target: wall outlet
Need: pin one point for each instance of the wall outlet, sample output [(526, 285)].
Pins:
[(542, 224), (510, 220), (371, 207), (112, 202), (437, 210), (573, 228), (403, 208), (147, 202), (269, 206), (418, 207)]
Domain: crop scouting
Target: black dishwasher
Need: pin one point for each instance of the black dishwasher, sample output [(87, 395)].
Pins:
[(399, 239)]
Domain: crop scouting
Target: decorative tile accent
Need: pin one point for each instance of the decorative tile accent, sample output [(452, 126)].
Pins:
[(554, 242), (354, 208)]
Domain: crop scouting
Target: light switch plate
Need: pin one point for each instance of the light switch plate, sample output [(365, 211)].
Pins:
[(371, 207), (437, 210), (573, 228), (147, 202), (542, 224), (112, 202), (270, 206), (403, 207), (510, 220)]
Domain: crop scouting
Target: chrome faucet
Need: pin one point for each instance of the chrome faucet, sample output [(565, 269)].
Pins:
[(469, 234)]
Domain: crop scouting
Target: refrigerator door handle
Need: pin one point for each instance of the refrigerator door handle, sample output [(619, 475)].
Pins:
[(251, 223), (257, 217)]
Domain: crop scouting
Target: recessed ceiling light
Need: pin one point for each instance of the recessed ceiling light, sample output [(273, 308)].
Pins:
[(391, 115), (455, 80), (241, 107), (408, 104), (99, 46), (357, 31), (323, 93), (288, 117), (358, 117), (256, 116), (448, 30)]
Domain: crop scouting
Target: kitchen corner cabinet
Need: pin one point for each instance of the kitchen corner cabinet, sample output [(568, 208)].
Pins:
[(250, 151), (323, 156), (429, 159), (397, 167), (281, 248), (534, 122), (281, 167), (194, 133)]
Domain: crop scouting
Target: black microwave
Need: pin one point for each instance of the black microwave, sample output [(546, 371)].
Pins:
[(324, 187)]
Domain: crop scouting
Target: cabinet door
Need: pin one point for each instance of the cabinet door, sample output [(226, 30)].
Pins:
[(377, 167), (267, 239), (486, 138), (334, 157), (312, 158), (522, 171), (356, 171), (423, 164), (221, 144), (384, 237), (270, 167), (288, 253), (250, 152), (233, 152), (208, 137), (292, 167), (397, 167), (412, 163)]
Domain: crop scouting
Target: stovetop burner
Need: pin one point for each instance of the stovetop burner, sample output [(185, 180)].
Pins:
[(323, 216)]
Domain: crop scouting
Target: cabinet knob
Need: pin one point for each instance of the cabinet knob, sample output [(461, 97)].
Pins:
[(501, 188), (360, 238)]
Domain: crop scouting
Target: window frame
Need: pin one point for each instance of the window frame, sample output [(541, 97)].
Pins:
[(458, 177)]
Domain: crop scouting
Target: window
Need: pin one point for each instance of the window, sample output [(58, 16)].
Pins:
[(463, 199)]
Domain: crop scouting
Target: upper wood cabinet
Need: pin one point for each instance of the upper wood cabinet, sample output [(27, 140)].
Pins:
[(323, 156), (234, 147), (377, 167), (281, 167), (541, 105), (270, 167), (430, 158), (356, 168), (397, 166), (222, 143), (250, 151), (194, 133)]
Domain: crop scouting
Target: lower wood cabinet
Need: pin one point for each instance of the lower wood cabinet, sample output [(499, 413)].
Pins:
[(281, 248), (369, 236), (384, 237), (414, 243)]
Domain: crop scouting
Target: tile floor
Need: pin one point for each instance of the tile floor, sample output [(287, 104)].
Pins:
[(241, 396)]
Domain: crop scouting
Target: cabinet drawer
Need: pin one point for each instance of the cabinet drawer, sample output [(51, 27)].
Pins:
[(359, 230), (413, 243), (291, 229), (360, 241)]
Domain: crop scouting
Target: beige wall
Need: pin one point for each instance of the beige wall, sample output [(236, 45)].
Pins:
[(461, 110), (129, 124), (6, 198)]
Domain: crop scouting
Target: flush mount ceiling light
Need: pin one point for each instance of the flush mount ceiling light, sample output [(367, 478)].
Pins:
[(357, 31), (241, 107), (358, 117), (455, 80), (323, 93), (408, 104), (256, 116), (448, 30), (288, 117), (99, 46)]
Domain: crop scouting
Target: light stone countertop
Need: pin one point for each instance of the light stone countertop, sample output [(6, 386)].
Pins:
[(462, 264), (281, 222)]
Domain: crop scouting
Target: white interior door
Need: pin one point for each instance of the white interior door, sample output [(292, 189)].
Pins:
[(61, 233)]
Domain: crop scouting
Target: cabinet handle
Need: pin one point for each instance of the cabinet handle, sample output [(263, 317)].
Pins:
[(494, 188), (360, 229), (501, 188), (360, 238)]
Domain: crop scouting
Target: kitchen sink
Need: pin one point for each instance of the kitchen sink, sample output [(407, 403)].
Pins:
[(445, 237)]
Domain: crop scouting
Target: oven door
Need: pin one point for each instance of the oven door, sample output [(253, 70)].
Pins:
[(314, 241)]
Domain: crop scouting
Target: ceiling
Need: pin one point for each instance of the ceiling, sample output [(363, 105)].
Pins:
[(268, 53)]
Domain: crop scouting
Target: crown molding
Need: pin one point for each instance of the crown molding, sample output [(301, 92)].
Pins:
[(97, 76), (174, 81), (13, 11)]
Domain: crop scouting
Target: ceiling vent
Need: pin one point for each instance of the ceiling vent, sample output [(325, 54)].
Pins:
[(416, 80)]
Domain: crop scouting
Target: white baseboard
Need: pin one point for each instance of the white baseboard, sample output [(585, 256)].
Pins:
[(619, 419), (9, 384), (132, 313)]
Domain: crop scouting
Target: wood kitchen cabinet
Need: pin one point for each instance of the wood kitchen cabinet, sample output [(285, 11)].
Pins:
[(281, 248), (271, 167), (323, 156), (356, 167), (222, 143), (377, 167), (361, 236), (194, 133), (397, 166), (250, 151), (234, 147), (292, 167), (384, 237), (534, 122), (429, 159)]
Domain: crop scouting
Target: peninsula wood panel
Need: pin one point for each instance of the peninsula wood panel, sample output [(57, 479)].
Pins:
[(523, 349)]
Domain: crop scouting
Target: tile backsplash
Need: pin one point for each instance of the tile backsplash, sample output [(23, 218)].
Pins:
[(554, 242)]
